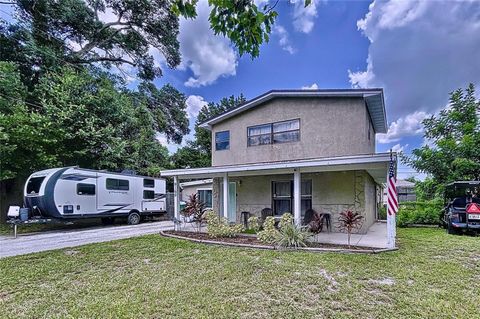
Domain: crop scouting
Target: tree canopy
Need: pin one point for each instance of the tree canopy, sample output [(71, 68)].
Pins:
[(124, 32), (452, 152), (197, 153)]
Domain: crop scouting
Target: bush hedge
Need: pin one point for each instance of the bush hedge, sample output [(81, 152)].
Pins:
[(423, 213)]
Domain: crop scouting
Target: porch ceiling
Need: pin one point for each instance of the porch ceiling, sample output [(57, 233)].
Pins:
[(375, 164)]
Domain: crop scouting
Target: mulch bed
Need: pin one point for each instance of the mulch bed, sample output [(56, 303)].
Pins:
[(241, 239), (252, 240)]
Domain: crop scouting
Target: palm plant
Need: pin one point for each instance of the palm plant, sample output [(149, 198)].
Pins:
[(348, 222), (292, 236)]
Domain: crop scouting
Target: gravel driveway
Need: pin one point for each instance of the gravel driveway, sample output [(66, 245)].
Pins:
[(36, 242)]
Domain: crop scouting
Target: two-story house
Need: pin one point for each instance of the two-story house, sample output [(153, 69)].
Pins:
[(291, 150)]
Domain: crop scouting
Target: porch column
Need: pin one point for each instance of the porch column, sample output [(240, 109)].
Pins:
[(225, 195), (176, 197), (297, 197)]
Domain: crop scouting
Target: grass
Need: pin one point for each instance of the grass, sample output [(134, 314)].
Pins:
[(433, 275)]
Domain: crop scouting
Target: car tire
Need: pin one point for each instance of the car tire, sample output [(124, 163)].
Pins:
[(134, 218), (450, 229)]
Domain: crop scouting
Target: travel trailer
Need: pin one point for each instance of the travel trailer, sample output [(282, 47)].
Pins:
[(73, 192)]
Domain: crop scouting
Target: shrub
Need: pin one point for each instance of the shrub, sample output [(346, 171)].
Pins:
[(254, 224), (269, 233), (382, 212), (194, 209), (286, 219), (219, 227), (425, 213), (292, 236), (349, 221)]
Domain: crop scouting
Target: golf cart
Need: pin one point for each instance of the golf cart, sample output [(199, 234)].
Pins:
[(462, 207)]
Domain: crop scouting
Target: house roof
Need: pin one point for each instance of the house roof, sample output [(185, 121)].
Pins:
[(373, 98), (196, 183), (404, 183), (375, 164)]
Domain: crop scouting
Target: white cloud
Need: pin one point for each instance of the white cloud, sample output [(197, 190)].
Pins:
[(409, 125), (419, 52), (399, 148), (304, 17), (194, 105), (284, 40), (206, 55), (314, 86)]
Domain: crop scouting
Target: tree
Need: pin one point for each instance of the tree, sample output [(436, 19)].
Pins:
[(25, 137), (454, 135), (168, 107), (101, 124), (123, 32), (197, 153)]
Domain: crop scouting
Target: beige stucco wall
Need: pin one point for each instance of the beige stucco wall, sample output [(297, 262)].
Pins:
[(328, 127), (332, 192)]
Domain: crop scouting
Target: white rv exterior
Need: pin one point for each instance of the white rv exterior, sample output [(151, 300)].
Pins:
[(73, 192)]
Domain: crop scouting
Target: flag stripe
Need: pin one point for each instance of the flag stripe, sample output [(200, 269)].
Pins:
[(392, 195)]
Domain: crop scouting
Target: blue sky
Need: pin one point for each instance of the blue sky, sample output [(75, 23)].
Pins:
[(417, 51), (412, 49)]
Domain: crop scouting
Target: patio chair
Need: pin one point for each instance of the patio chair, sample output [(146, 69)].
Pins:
[(318, 221), (265, 213), (308, 216)]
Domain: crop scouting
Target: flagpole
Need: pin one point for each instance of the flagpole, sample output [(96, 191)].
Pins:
[(394, 219), (390, 217)]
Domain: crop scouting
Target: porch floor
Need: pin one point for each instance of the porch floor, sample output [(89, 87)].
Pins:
[(375, 237)]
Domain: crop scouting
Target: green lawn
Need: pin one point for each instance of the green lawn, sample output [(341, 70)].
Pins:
[(433, 275)]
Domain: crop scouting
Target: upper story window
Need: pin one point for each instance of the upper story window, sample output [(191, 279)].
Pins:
[(278, 132), (117, 184), (222, 140)]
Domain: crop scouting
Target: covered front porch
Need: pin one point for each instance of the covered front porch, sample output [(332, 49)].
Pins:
[(325, 185)]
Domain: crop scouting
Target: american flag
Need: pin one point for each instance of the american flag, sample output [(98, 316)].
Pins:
[(392, 197)]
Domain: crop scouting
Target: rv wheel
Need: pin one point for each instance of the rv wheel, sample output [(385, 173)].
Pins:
[(134, 218)]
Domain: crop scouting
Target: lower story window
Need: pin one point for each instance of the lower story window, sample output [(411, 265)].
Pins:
[(282, 196), (205, 196)]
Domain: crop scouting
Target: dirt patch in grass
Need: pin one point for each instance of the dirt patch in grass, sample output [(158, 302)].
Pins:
[(252, 240)]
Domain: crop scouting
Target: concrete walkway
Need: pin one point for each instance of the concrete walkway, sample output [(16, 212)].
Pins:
[(36, 242), (375, 237)]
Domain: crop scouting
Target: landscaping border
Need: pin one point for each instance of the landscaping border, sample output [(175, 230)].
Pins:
[(310, 249)]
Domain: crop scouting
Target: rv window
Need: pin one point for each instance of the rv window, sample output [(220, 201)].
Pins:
[(33, 186), (148, 194), (117, 184), (85, 189), (148, 182)]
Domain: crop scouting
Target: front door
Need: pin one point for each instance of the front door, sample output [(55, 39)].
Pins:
[(232, 202)]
